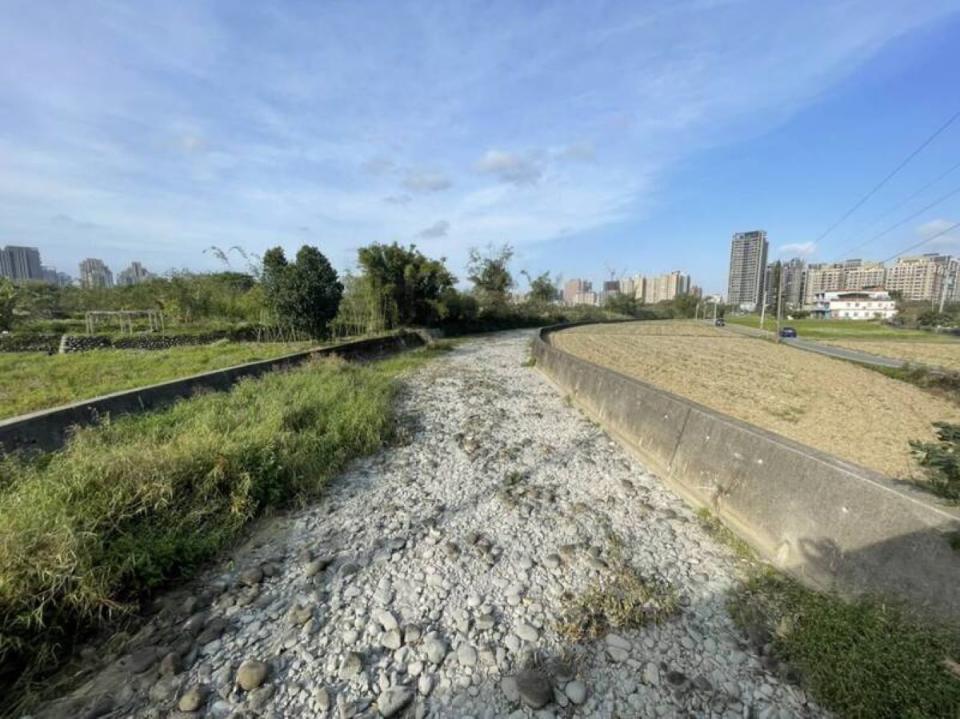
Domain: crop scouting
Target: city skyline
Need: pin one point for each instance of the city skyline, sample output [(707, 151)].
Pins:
[(261, 127)]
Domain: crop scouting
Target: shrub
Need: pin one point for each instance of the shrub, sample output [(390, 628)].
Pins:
[(941, 461)]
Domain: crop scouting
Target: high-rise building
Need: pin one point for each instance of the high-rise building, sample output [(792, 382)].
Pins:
[(579, 292), (794, 272), (666, 287), (836, 276), (951, 276), (94, 273), (133, 275), (20, 263), (748, 262), (917, 278)]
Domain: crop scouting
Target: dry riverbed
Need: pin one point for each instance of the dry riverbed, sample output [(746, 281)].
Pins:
[(440, 578), (841, 408)]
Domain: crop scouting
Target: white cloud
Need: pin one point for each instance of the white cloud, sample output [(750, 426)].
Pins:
[(798, 249), (511, 167), (935, 227)]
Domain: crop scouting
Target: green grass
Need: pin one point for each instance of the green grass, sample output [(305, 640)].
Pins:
[(840, 329), (861, 659), (33, 381), (89, 531)]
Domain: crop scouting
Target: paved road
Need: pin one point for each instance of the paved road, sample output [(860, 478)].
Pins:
[(434, 572), (828, 350)]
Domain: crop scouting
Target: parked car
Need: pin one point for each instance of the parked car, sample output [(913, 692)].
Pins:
[(788, 332), (719, 322)]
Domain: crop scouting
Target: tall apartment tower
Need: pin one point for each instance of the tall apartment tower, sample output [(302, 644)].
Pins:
[(748, 263), (94, 273), (20, 263)]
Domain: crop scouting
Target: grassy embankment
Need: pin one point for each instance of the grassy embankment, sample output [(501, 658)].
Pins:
[(840, 329), (33, 381), (127, 506), (865, 658)]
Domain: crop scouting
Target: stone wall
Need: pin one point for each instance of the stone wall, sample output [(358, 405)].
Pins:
[(830, 523)]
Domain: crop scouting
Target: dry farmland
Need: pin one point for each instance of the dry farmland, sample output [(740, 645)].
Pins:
[(945, 353), (839, 407)]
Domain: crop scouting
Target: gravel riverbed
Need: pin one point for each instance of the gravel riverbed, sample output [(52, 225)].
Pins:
[(434, 577)]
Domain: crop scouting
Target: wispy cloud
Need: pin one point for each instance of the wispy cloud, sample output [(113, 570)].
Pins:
[(511, 167), (427, 182), (437, 229)]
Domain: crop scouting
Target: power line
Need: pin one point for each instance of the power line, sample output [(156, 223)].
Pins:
[(923, 242), (897, 206), (907, 219), (889, 177)]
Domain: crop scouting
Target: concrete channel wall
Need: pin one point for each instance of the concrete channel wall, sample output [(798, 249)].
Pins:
[(830, 523), (48, 429)]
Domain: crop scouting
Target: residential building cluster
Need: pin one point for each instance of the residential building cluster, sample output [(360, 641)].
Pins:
[(22, 264), (646, 289), (825, 288)]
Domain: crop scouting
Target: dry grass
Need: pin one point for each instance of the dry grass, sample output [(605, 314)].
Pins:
[(937, 354), (836, 406)]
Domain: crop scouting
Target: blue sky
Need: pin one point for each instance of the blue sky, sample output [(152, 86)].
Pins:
[(630, 136)]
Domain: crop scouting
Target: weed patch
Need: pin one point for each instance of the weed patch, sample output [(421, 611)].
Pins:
[(719, 531), (87, 532), (865, 658), (623, 599)]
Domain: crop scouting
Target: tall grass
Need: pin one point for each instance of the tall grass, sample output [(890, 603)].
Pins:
[(31, 381), (131, 504)]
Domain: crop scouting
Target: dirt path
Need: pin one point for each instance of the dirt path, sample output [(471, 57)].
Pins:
[(437, 571)]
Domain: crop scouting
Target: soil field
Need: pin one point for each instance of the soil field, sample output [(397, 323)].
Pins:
[(936, 354), (835, 406)]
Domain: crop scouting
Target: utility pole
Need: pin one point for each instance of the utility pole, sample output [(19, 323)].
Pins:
[(779, 302), (763, 307), (714, 311), (943, 293)]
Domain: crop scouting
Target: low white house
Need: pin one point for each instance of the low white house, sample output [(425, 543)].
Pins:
[(854, 305)]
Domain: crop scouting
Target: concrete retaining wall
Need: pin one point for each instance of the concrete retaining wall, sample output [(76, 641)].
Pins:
[(48, 429), (832, 524)]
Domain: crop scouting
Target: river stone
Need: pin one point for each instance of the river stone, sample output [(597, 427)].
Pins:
[(576, 692), (192, 699), (393, 700), (251, 674), (435, 650), (534, 689)]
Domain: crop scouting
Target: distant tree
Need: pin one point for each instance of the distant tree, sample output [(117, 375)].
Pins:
[(408, 283), (622, 304), (305, 294), (542, 288), (489, 273), (8, 302), (685, 305), (932, 318)]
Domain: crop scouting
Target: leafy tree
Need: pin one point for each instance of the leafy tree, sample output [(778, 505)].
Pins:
[(542, 288), (685, 305), (8, 301), (305, 294), (932, 318), (408, 283), (621, 304), (489, 273)]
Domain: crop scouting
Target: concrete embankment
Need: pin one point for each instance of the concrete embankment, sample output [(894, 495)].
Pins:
[(831, 523), (48, 429)]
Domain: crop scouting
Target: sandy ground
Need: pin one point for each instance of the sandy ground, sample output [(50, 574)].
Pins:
[(836, 406), (937, 354)]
